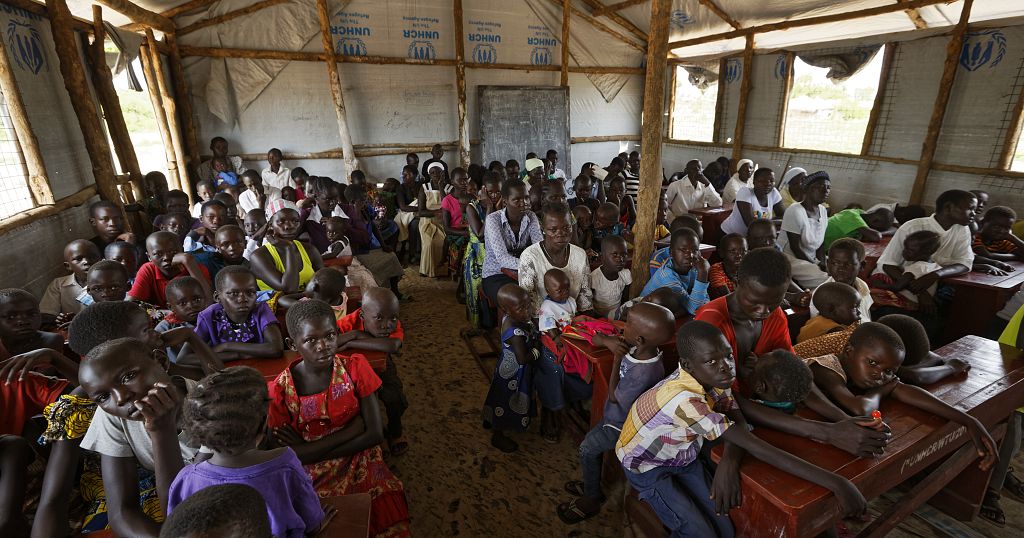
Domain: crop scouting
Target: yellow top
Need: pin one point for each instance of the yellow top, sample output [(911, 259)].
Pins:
[(1011, 334), (305, 273)]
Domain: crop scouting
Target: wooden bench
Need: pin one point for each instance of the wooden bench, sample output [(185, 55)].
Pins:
[(778, 504)]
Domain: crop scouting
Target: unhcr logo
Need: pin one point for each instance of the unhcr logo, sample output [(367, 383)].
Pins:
[(781, 67), (983, 48), (485, 54), (540, 56), (680, 19), (350, 46), (422, 50), (733, 70), (26, 46)]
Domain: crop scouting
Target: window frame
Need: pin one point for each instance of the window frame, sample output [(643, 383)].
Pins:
[(716, 122)]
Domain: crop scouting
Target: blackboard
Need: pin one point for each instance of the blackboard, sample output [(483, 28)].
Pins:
[(515, 120)]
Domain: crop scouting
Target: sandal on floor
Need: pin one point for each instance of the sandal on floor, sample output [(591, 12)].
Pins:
[(571, 514), (574, 488), (398, 446), (991, 510), (1013, 485)]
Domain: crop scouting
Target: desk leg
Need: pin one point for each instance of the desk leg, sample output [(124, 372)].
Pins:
[(962, 497), (972, 309), (966, 456)]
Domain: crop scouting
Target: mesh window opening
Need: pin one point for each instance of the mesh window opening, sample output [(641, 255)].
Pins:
[(693, 116), (15, 195), (830, 116)]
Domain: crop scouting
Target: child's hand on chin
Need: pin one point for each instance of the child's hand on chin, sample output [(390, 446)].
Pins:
[(158, 407)]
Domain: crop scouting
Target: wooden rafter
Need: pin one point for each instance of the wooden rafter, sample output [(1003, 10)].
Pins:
[(915, 16), (187, 7), (618, 6), (619, 19), (949, 69), (810, 21), (601, 26), (139, 15), (198, 25), (710, 4), (37, 8)]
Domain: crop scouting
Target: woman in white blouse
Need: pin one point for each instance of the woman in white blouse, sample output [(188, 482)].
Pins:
[(803, 232)]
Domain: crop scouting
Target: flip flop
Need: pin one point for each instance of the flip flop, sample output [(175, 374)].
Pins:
[(574, 488), (991, 510), (571, 514), (398, 446), (1013, 485)]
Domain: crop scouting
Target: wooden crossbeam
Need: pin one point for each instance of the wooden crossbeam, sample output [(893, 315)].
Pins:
[(248, 10), (601, 26), (810, 21), (710, 4), (140, 15), (616, 7), (187, 7), (915, 16), (619, 19)]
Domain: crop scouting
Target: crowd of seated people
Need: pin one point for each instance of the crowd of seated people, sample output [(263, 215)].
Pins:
[(125, 365)]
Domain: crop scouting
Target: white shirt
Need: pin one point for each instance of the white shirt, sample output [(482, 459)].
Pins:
[(247, 201), (280, 180), (810, 230), (533, 264), (608, 293), (919, 269), (734, 224), (954, 244), (732, 188), (865, 298), (554, 315), (683, 196), (197, 210)]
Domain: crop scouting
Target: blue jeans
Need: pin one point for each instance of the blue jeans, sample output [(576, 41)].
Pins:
[(681, 496), (599, 440), (554, 386)]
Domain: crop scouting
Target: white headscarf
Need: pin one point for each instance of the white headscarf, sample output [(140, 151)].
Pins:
[(739, 165), (789, 175)]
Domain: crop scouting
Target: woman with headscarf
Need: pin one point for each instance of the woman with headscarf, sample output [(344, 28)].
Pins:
[(792, 186), (744, 171), (284, 264), (803, 232)]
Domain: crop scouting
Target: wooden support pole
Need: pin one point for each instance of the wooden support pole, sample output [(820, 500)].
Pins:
[(780, 136), (77, 86), (650, 144), (741, 113), (931, 137), (170, 112), (710, 4), (876, 108), (673, 82), (566, 15), (460, 83), (810, 21), (620, 20), (184, 101), (213, 21), (720, 100), (103, 82), (339, 99), (915, 16), (1012, 133), (140, 15), (38, 182), (55, 208), (161, 118)]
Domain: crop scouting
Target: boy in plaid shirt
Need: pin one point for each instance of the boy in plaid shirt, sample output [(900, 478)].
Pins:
[(662, 437)]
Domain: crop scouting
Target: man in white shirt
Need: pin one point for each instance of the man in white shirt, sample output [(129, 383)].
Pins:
[(692, 191), (256, 195), (276, 175), (954, 211), (219, 147)]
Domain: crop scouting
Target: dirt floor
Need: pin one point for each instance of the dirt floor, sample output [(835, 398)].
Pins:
[(457, 484)]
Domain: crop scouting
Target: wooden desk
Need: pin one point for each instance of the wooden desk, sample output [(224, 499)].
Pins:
[(978, 298), (873, 251), (778, 504), (352, 519), (711, 218)]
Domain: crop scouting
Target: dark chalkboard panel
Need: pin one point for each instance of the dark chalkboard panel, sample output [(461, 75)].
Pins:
[(515, 120)]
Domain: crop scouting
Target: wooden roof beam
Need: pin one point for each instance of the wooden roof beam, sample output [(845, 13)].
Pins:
[(187, 7), (617, 19), (616, 7), (600, 26), (710, 4), (230, 15), (810, 21), (915, 16), (140, 15)]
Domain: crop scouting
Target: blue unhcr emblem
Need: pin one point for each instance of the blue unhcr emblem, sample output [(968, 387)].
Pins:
[(26, 46), (422, 50), (680, 18), (781, 67), (350, 46), (540, 56), (485, 54), (983, 48), (733, 70)]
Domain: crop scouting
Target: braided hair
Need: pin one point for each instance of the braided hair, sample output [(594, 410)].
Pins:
[(227, 410)]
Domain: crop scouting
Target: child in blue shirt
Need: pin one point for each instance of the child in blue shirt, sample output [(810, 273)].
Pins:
[(686, 272)]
